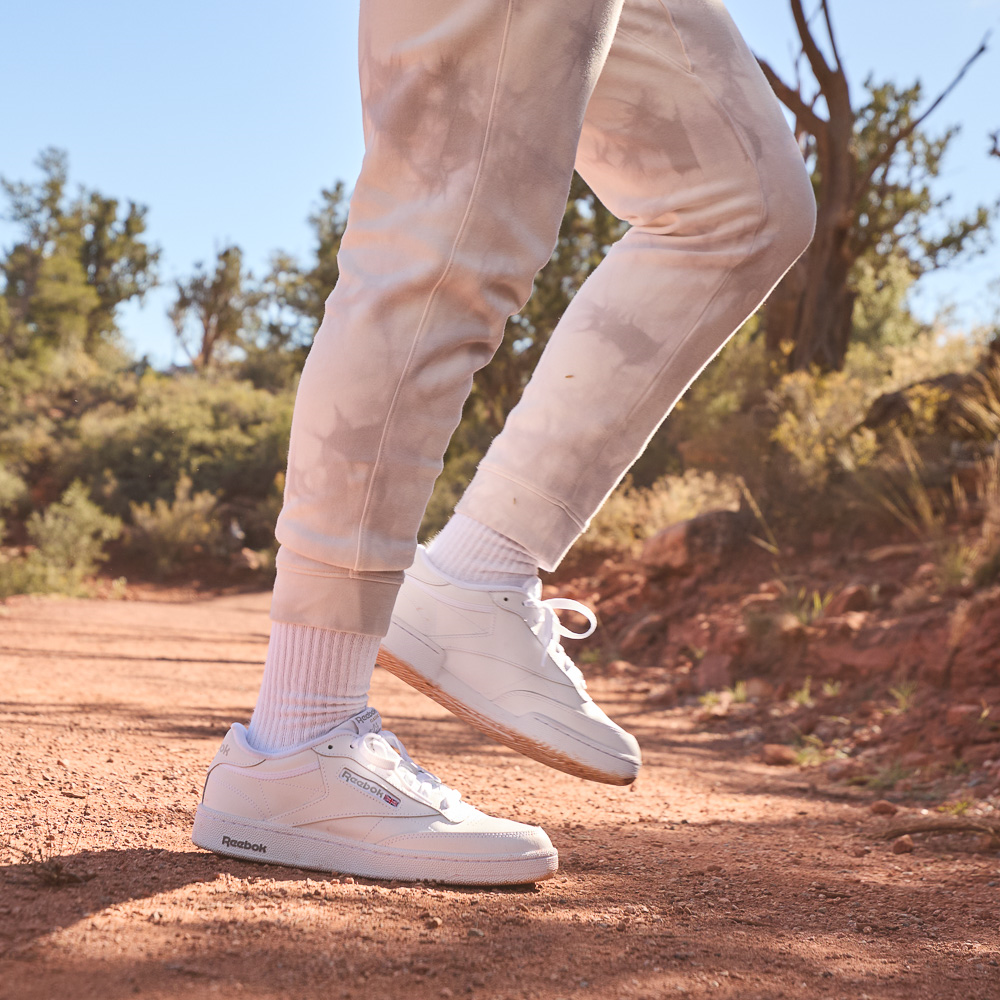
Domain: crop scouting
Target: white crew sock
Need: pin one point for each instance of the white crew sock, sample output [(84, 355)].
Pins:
[(473, 553), (314, 679)]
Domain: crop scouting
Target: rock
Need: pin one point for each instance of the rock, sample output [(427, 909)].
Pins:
[(698, 542), (713, 672), (961, 715), (977, 755), (433, 923), (668, 549), (839, 770), (884, 808), (855, 597), (475, 932), (758, 688), (788, 626), (619, 667), (903, 845), (778, 755)]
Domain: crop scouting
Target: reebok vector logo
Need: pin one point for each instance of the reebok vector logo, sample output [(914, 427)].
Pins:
[(368, 787), (244, 845)]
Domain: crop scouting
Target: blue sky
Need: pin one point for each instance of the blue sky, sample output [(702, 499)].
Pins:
[(227, 118)]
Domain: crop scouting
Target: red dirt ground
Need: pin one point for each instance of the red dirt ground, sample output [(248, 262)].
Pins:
[(713, 876)]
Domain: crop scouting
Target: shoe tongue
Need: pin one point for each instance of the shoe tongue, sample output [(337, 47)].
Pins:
[(368, 721)]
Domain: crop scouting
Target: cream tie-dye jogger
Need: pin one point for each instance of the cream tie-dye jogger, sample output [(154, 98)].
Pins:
[(475, 113)]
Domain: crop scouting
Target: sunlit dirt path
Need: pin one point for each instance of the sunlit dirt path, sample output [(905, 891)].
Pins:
[(713, 876)]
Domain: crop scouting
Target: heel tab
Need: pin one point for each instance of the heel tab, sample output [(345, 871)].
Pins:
[(235, 750)]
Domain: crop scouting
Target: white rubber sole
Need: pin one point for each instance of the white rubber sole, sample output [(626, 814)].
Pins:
[(448, 691), (255, 840)]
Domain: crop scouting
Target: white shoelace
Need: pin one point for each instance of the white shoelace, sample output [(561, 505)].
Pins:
[(389, 753), (550, 630)]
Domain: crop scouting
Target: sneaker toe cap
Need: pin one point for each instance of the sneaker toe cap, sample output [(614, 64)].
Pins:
[(478, 834)]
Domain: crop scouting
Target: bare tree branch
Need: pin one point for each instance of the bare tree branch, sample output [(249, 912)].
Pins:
[(793, 100), (818, 63), (833, 38), (917, 122), (995, 137)]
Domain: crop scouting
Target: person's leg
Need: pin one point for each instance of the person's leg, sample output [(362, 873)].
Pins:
[(473, 110), (684, 139)]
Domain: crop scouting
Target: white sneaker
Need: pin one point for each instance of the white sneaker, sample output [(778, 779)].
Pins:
[(355, 802), (492, 656)]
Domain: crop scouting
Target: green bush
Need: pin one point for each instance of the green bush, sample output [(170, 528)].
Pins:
[(174, 533), (228, 437), (632, 514), (69, 538)]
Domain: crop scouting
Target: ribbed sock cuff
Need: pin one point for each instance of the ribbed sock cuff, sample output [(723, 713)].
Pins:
[(474, 553), (314, 679)]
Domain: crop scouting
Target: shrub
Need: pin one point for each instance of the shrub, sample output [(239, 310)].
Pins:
[(632, 514), (227, 437), (173, 533), (69, 537)]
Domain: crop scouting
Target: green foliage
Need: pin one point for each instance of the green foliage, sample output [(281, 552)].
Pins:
[(213, 313), (77, 260), (69, 536), (13, 489), (174, 533), (904, 693), (898, 214), (230, 438), (295, 295), (632, 514), (803, 696)]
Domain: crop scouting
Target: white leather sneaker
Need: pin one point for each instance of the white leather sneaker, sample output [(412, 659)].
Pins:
[(492, 656), (355, 802)]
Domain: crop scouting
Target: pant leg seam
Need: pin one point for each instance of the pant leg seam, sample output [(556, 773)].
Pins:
[(421, 326)]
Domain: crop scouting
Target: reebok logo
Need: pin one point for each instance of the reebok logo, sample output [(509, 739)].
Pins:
[(365, 717), (245, 845), (369, 787)]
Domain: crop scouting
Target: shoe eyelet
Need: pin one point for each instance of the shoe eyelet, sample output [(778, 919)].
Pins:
[(506, 599)]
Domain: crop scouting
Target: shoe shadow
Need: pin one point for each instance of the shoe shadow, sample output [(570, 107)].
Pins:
[(44, 896)]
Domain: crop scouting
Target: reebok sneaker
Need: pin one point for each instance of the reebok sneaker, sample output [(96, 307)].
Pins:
[(355, 802), (492, 656)]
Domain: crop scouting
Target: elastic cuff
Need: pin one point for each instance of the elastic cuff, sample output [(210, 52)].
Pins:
[(311, 593), (538, 523)]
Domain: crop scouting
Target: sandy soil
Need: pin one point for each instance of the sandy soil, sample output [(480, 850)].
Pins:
[(713, 876)]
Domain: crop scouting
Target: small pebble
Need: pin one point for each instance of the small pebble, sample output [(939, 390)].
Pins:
[(884, 808), (903, 845)]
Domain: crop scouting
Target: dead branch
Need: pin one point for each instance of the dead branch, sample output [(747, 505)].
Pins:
[(833, 38), (917, 122), (793, 100), (942, 825), (817, 62)]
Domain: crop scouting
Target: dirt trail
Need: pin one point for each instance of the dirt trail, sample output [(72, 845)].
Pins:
[(713, 876)]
